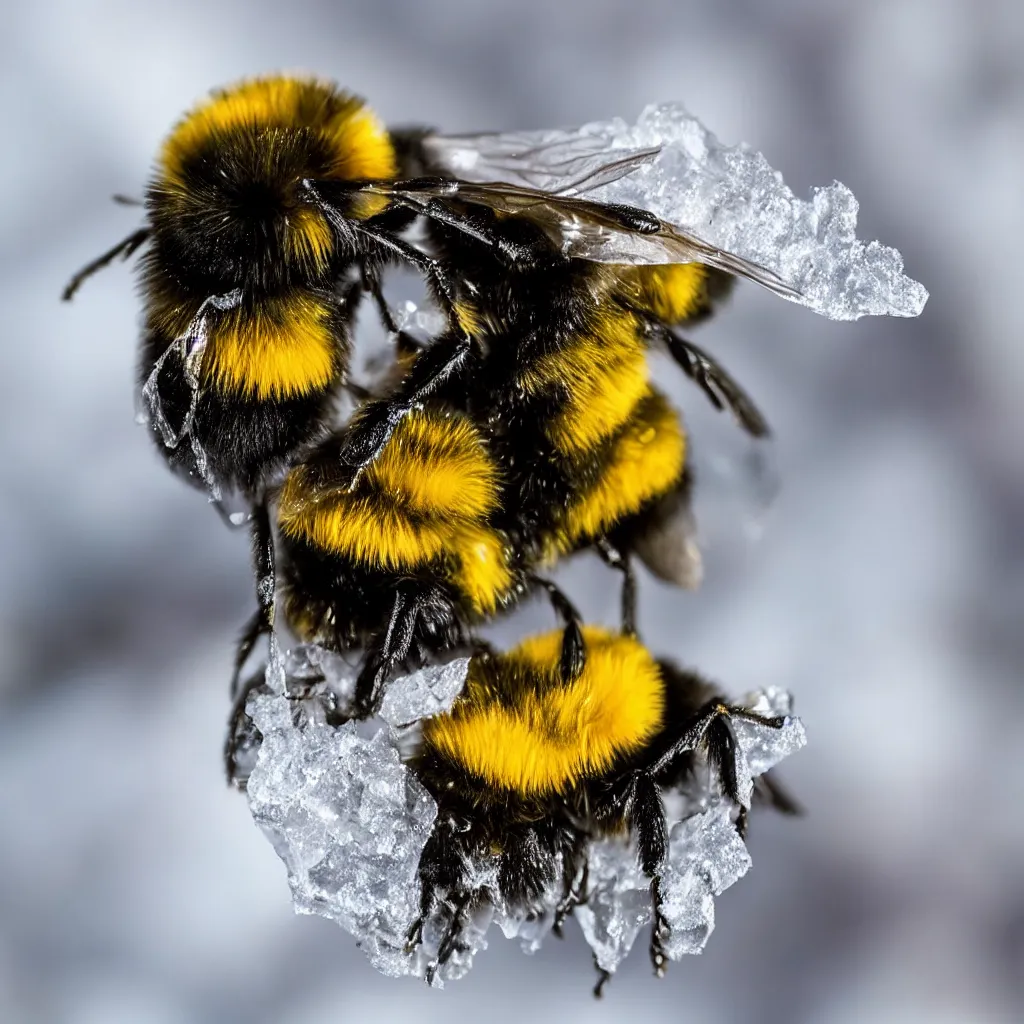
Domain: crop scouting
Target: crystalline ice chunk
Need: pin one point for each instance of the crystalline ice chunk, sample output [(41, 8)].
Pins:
[(425, 693), (345, 814)]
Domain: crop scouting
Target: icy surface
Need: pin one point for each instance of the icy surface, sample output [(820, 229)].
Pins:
[(350, 822), (727, 196), (341, 809)]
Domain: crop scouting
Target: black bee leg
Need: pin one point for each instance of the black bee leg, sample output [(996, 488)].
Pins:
[(659, 930), (124, 249), (714, 380), (647, 822), (251, 632), (260, 624), (603, 977), (711, 727), (390, 651), (620, 561), (263, 565), (440, 870), (414, 936), (443, 286), (574, 652), (370, 431), (647, 819), (452, 934), (384, 242), (508, 250), (237, 733), (369, 280), (262, 621), (575, 877)]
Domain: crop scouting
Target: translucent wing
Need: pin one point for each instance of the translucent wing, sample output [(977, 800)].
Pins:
[(578, 227), (564, 162)]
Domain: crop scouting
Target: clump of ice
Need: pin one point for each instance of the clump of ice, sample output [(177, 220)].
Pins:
[(338, 804), (350, 821), (727, 196)]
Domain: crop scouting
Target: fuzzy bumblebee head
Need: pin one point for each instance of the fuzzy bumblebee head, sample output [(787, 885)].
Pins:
[(227, 202)]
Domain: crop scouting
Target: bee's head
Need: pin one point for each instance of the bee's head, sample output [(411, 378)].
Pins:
[(229, 203), (237, 212)]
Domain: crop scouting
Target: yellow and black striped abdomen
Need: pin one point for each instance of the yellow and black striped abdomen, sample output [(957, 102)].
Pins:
[(287, 346), (674, 293), (599, 374), (519, 728), (644, 461), (424, 504)]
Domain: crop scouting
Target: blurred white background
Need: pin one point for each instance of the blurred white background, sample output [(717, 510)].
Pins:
[(886, 589)]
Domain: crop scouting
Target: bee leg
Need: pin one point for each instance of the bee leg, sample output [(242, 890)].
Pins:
[(452, 934), (659, 930), (620, 560), (443, 287), (603, 977), (647, 823), (390, 650), (251, 632), (508, 250), (124, 249), (261, 622), (574, 653), (263, 565), (372, 429), (714, 380), (574, 893), (237, 734), (711, 727), (440, 869), (370, 282)]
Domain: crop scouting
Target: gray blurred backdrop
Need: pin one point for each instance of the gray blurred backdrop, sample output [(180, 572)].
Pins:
[(885, 588)]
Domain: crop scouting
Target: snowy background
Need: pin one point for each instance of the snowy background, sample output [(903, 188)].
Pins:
[(885, 591)]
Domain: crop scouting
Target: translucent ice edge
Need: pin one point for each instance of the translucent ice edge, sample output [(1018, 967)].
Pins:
[(729, 196), (350, 821)]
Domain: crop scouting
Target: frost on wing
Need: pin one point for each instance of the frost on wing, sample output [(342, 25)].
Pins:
[(727, 196)]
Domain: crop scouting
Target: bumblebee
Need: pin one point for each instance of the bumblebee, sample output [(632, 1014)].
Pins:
[(527, 768), (559, 380), (246, 337), (548, 245), (402, 565)]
